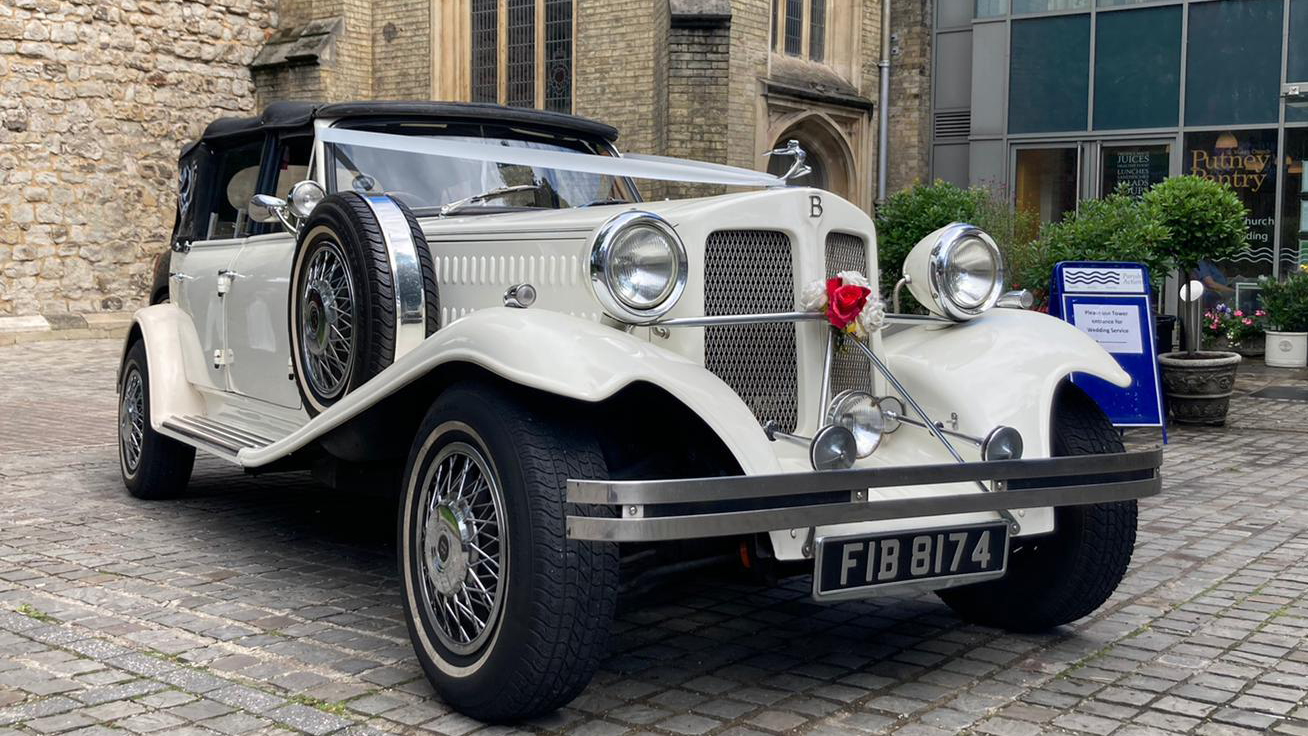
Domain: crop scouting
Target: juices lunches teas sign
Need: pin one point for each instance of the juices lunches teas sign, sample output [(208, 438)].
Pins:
[(1110, 303)]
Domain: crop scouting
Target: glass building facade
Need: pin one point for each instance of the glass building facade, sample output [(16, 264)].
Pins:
[(1071, 99)]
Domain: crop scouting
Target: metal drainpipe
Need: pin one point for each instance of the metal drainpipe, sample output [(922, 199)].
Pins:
[(883, 133)]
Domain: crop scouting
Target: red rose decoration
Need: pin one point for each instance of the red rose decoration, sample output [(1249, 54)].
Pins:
[(844, 302)]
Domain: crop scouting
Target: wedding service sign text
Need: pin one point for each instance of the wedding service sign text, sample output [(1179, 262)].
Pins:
[(1110, 302)]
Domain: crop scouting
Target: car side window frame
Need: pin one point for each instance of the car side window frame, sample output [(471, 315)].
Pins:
[(218, 194), (268, 170)]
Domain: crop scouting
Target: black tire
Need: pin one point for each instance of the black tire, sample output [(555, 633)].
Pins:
[(557, 605), (1058, 578), (344, 227), (162, 467)]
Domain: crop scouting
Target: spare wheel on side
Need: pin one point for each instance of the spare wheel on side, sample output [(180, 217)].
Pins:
[(363, 293)]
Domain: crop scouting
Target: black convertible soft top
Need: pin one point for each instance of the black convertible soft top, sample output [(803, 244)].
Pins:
[(280, 115)]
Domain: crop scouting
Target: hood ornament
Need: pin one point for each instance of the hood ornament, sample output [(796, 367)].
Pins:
[(798, 168)]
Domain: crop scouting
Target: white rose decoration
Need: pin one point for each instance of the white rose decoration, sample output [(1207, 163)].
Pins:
[(814, 297), (853, 278), (872, 318)]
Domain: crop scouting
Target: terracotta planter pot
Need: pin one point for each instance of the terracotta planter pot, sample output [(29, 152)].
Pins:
[(1198, 385)]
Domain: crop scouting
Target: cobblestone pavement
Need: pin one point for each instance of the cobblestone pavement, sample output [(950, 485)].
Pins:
[(265, 604)]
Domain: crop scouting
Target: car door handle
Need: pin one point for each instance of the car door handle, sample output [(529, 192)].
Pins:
[(179, 276), (225, 278)]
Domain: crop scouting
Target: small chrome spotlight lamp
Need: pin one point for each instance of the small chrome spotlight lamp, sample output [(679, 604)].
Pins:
[(833, 448), (1003, 443), (860, 413)]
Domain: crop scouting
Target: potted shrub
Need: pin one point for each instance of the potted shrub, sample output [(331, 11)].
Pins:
[(1286, 303), (1116, 228), (1207, 223)]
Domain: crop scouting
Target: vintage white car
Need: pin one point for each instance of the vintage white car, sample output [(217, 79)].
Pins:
[(473, 305)]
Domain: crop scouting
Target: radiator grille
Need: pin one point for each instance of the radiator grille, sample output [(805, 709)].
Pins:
[(850, 369), (748, 272)]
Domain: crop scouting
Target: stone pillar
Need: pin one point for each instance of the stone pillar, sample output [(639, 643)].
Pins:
[(699, 56), (620, 63), (323, 51), (910, 93)]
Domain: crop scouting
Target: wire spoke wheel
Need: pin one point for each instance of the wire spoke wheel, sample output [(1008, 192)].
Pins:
[(131, 420), (463, 547), (328, 344)]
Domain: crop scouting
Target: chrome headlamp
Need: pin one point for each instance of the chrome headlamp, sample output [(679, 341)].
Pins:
[(638, 267), (956, 272)]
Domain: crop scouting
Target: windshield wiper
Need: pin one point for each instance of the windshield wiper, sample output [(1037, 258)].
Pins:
[(495, 193), (605, 200)]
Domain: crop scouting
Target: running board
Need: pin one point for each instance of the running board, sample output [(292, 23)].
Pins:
[(222, 439)]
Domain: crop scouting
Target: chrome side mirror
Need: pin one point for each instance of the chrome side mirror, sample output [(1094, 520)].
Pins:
[(267, 208)]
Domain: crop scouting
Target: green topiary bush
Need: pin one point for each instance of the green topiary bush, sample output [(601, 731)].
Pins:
[(1115, 228), (1206, 219)]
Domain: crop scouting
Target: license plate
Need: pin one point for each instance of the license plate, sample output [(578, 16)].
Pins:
[(856, 566)]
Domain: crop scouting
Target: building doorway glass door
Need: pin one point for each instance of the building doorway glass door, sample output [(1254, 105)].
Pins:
[(1045, 180)]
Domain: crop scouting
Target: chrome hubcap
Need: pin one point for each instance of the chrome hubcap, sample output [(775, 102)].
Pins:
[(327, 321), (463, 548), (131, 420)]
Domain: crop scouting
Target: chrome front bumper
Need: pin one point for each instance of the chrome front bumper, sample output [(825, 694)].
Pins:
[(695, 508)]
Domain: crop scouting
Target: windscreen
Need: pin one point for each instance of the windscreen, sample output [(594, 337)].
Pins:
[(429, 182)]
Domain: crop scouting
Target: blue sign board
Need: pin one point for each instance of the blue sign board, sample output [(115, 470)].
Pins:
[(1110, 302)]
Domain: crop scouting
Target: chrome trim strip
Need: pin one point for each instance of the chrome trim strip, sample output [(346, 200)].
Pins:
[(739, 319), (699, 526), (253, 440), (196, 433), (752, 319), (703, 490), (978, 441), (824, 394), (410, 301)]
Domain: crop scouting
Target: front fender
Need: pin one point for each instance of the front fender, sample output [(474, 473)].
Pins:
[(1001, 368), (559, 354), (169, 338)]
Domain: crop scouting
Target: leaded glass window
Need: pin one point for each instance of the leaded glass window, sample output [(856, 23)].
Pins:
[(817, 26), (485, 42), (521, 52), (794, 26), (799, 28), (558, 55)]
